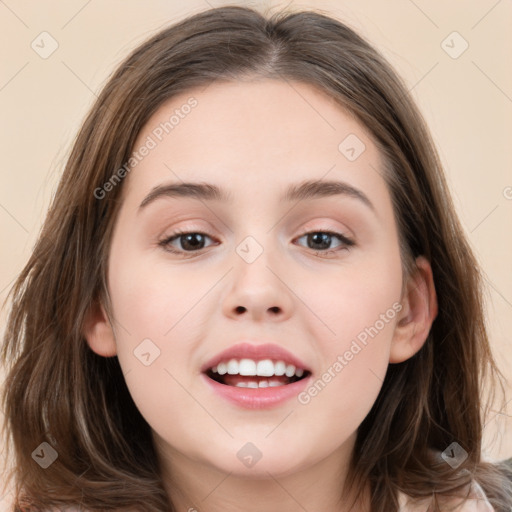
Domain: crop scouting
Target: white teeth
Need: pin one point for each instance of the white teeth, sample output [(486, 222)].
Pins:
[(247, 367), (290, 370), (263, 368), (279, 368), (232, 367), (260, 384)]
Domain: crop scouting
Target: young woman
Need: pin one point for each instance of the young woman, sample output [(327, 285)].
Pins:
[(251, 291)]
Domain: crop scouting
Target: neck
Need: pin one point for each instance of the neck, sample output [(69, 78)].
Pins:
[(195, 486)]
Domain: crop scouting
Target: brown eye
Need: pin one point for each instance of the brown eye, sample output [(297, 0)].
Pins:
[(322, 240), (186, 241)]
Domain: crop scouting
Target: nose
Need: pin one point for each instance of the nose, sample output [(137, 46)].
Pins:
[(258, 291)]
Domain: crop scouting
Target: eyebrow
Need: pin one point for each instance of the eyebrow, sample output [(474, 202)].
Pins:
[(311, 189)]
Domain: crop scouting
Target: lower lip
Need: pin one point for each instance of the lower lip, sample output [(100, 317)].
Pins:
[(257, 398)]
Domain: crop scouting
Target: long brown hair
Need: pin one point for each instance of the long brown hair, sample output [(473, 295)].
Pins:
[(59, 392)]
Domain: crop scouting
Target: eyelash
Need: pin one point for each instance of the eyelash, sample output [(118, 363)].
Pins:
[(165, 243)]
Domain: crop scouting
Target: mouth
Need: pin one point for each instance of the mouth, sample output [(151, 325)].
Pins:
[(251, 373)]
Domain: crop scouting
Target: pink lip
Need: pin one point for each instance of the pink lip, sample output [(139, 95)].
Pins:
[(255, 352), (257, 398)]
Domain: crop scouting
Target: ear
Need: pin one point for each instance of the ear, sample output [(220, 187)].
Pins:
[(419, 310), (98, 331)]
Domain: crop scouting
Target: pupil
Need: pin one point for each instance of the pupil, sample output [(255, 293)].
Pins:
[(189, 239), (322, 238)]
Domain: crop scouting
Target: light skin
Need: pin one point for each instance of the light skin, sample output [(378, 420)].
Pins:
[(254, 139)]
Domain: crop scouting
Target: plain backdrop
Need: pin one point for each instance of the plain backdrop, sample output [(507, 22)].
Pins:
[(454, 56)]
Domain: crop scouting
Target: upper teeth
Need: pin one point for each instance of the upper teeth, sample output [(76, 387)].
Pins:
[(263, 368)]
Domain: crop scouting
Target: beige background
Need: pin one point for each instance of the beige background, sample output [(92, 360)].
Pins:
[(467, 102)]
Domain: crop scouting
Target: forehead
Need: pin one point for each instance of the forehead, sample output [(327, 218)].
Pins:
[(252, 133)]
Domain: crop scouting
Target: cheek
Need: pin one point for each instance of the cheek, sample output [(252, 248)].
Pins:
[(354, 298), (150, 299), (344, 391), (360, 308), (338, 400), (156, 312)]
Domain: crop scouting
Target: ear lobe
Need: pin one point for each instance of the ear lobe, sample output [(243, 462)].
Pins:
[(418, 313), (98, 331)]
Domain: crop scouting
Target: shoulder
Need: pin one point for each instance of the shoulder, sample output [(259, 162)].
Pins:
[(475, 502)]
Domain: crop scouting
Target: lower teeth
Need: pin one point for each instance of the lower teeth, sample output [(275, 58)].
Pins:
[(269, 382), (261, 384)]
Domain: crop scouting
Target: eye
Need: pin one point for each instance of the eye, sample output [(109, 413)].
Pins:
[(194, 241), (190, 241), (322, 240)]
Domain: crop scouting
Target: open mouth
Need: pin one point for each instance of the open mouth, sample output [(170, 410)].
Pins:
[(247, 373)]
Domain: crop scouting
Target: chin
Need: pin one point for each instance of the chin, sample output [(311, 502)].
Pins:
[(249, 461)]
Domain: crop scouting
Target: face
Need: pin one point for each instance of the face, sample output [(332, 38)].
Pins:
[(315, 275)]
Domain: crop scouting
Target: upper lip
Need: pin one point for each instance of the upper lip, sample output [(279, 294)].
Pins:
[(258, 352)]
